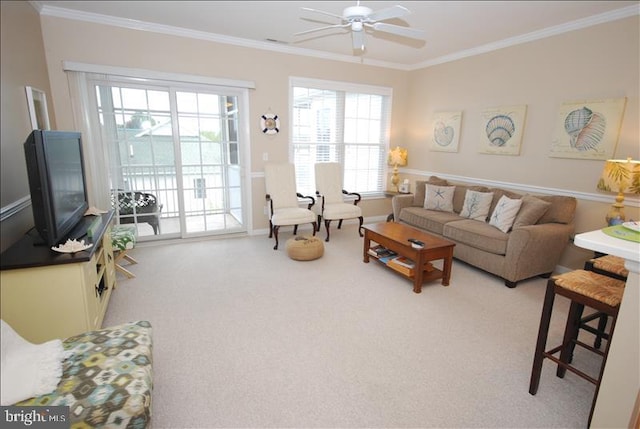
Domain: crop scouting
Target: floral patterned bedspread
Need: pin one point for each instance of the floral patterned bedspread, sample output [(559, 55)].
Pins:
[(107, 381)]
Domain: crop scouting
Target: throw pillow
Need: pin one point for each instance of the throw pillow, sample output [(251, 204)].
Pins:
[(461, 192), (439, 198), (476, 205), (498, 193), (505, 213), (531, 211), (419, 193)]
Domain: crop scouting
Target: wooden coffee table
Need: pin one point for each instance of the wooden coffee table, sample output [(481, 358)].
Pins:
[(395, 236)]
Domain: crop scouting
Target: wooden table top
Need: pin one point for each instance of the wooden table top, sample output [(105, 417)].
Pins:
[(402, 233)]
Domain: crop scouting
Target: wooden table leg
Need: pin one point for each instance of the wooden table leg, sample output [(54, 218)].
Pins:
[(367, 243), (446, 268), (419, 273)]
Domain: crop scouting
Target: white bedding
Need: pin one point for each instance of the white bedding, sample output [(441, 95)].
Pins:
[(28, 369)]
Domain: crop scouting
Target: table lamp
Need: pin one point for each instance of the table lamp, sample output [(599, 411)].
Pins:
[(397, 158), (621, 176)]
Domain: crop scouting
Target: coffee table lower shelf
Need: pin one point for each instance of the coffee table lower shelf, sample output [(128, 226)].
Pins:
[(395, 237), (429, 272)]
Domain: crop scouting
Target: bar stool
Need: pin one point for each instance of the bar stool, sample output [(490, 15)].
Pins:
[(582, 287), (610, 266)]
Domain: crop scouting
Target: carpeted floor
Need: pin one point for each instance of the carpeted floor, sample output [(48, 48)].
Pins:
[(246, 337)]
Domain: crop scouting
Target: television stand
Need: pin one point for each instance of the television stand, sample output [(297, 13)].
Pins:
[(46, 295)]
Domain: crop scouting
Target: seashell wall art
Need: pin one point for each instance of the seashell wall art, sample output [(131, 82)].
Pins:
[(502, 129), (588, 129), (445, 130)]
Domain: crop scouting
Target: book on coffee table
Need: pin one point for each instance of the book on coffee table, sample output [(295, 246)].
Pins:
[(379, 251), (403, 265)]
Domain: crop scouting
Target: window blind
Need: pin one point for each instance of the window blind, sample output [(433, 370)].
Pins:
[(340, 122)]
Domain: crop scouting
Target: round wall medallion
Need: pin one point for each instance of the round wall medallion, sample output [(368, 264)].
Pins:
[(270, 123)]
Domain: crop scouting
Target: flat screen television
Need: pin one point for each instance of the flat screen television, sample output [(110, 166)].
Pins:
[(57, 183)]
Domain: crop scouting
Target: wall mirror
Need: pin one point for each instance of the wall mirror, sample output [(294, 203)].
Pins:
[(38, 113)]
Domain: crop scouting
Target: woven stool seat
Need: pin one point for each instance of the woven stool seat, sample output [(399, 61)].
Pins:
[(305, 248), (601, 288), (610, 263)]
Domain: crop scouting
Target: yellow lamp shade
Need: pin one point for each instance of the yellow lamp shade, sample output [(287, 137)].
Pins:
[(397, 157), (621, 176)]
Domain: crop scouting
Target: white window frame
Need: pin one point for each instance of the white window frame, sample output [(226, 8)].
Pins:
[(80, 77), (353, 88)]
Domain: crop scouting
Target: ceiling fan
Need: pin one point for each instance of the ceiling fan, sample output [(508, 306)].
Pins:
[(359, 18)]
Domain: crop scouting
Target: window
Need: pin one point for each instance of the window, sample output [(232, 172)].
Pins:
[(340, 122)]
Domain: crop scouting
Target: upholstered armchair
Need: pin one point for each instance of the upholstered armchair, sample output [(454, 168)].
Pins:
[(332, 203), (282, 200)]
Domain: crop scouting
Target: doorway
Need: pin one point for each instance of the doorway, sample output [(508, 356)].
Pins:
[(175, 156)]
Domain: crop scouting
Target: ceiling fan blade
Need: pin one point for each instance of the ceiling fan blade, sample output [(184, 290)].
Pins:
[(358, 40), (396, 11), (308, 9), (313, 30), (400, 31)]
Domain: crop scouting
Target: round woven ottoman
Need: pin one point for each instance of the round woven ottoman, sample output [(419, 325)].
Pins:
[(305, 248)]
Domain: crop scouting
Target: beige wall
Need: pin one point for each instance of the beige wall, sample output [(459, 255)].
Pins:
[(22, 64), (597, 62), (594, 63), (69, 40)]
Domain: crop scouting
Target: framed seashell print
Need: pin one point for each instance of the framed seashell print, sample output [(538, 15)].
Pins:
[(587, 129), (501, 130), (445, 131)]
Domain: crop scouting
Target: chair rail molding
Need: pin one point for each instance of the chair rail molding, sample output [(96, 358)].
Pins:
[(15, 207), (588, 196)]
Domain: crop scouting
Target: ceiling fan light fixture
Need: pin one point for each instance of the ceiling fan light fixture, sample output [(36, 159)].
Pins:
[(354, 12), (358, 18)]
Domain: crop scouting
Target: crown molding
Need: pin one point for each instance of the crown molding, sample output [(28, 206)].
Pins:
[(59, 12), (132, 24), (602, 18)]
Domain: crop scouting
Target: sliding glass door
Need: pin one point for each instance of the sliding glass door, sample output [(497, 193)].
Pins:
[(174, 157)]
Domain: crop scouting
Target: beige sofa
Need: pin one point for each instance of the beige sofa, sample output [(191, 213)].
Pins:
[(532, 247)]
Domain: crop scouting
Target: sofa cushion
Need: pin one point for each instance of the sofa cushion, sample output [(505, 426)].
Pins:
[(476, 205), (439, 198), (429, 220), (479, 235), (531, 211), (418, 196), (505, 213), (562, 209)]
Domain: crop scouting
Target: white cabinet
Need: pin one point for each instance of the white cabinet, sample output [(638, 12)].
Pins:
[(44, 295)]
